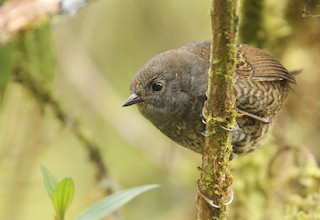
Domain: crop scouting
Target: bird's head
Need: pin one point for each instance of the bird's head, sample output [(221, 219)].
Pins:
[(163, 88)]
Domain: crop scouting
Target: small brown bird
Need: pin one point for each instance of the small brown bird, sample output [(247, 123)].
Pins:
[(170, 92)]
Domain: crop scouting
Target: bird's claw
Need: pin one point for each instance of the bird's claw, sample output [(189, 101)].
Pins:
[(204, 113), (205, 133), (211, 203), (235, 128)]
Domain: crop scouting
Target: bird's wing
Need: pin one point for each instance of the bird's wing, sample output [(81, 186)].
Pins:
[(254, 64)]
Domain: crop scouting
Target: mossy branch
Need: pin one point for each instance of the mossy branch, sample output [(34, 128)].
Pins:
[(43, 95), (16, 18), (216, 178)]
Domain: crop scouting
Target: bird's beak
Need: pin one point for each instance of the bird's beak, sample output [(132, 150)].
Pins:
[(133, 99)]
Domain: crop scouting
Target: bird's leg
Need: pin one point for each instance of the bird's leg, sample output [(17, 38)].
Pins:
[(265, 120)]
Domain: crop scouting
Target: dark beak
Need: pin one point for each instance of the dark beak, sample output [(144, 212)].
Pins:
[(133, 99)]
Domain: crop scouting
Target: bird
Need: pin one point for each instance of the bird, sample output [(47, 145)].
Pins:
[(170, 91)]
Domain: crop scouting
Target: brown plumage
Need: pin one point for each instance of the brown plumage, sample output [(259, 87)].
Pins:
[(170, 92)]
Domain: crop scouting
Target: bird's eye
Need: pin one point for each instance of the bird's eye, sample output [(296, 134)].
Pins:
[(157, 86)]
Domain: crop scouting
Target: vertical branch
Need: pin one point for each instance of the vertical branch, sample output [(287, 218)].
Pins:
[(216, 178)]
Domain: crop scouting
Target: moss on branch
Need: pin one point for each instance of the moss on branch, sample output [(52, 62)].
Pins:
[(216, 178)]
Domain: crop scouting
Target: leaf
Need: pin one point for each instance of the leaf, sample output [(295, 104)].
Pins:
[(50, 182), (62, 196), (113, 202)]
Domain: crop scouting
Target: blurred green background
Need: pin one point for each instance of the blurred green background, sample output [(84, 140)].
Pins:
[(97, 53)]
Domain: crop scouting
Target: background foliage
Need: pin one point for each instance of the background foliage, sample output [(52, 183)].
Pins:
[(97, 52)]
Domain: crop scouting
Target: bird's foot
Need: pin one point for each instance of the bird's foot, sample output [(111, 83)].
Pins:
[(235, 128), (228, 200)]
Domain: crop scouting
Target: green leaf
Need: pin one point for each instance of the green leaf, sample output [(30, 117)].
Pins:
[(113, 202), (50, 182), (62, 197)]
